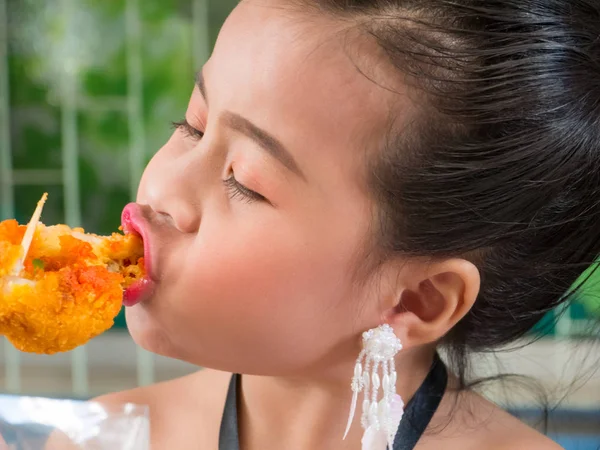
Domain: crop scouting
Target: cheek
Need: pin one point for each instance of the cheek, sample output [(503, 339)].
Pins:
[(262, 292), (274, 263)]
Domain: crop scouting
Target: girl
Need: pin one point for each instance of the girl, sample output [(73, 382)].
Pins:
[(428, 170)]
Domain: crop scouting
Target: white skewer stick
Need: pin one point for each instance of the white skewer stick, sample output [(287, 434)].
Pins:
[(28, 237)]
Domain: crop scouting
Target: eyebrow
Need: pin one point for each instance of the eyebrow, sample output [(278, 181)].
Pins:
[(265, 140)]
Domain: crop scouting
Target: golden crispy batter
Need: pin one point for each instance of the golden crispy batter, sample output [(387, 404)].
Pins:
[(63, 288)]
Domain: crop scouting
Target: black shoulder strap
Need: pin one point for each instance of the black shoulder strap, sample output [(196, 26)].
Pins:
[(417, 415), (228, 436), (421, 408)]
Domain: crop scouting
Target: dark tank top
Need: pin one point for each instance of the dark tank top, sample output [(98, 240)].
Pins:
[(417, 414)]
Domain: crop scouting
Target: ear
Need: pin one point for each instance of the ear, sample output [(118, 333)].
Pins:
[(431, 299)]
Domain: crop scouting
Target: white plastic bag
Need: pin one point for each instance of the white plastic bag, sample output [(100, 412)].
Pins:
[(26, 423)]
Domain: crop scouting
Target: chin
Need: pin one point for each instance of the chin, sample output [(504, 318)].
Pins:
[(148, 334)]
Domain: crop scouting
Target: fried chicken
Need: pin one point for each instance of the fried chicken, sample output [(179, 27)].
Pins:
[(61, 287)]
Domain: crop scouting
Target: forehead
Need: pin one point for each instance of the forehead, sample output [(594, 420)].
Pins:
[(296, 75)]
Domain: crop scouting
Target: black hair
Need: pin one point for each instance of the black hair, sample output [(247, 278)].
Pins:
[(501, 162)]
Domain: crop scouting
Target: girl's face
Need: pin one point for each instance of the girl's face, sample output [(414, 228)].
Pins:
[(256, 229)]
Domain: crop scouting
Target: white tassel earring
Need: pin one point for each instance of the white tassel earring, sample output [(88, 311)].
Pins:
[(380, 416)]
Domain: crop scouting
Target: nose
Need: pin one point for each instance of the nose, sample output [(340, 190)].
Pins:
[(182, 215), (170, 188)]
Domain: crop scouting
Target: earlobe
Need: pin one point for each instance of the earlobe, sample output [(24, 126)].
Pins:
[(439, 296)]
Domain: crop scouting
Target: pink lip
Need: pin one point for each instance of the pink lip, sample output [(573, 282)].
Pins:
[(133, 221), (138, 292)]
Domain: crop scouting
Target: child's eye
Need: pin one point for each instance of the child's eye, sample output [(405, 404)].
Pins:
[(188, 130), (235, 189)]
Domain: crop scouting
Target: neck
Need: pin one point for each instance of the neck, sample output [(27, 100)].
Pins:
[(311, 411)]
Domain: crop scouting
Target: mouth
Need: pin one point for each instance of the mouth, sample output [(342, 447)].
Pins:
[(133, 222)]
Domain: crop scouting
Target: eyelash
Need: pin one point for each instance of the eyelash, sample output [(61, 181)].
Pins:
[(188, 130), (234, 188)]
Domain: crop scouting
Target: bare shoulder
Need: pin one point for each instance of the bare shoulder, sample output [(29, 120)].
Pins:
[(199, 388), (510, 433), (472, 422), (184, 412)]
